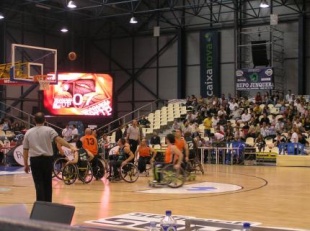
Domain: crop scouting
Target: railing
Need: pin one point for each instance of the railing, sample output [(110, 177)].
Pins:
[(136, 114), (108, 128), (17, 113)]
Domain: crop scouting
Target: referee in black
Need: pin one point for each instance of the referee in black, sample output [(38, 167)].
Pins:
[(38, 145)]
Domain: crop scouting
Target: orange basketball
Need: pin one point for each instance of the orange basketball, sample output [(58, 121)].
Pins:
[(72, 56)]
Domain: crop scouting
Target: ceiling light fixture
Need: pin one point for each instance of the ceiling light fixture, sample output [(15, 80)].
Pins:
[(71, 5), (264, 4), (1, 16), (64, 30), (133, 20), (42, 6)]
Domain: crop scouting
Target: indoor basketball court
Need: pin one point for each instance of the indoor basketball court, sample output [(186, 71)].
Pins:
[(264, 195)]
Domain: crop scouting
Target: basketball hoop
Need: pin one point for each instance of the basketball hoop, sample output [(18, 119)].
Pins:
[(43, 82), (44, 85)]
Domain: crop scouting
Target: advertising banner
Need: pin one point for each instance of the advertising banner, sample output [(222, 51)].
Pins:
[(85, 94), (210, 82), (254, 79)]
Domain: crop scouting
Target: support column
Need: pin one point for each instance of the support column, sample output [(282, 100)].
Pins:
[(302, 82), (181, 81), (2, 60)]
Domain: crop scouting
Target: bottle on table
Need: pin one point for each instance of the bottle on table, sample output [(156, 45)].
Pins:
[(152, 226), (246, 226), (168, 223)]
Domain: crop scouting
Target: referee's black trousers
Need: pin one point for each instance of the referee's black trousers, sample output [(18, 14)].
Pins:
[(41, 168)]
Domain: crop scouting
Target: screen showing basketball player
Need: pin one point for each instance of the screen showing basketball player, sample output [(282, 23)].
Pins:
[(85, 94)]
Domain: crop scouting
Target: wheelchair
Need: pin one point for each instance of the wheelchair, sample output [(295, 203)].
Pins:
[(98, 166), (168, 175), (129, 173), (148, 165), (58, 165), (194, 165), (72, 172)]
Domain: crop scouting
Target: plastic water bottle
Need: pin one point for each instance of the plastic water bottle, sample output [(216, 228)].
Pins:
[(152, 226), (246, 226), (168, 223), (6, 143)]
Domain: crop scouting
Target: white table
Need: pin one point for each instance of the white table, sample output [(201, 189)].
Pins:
[(202, 154), (225, 150)]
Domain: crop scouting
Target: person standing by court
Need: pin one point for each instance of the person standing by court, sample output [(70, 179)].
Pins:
[(37, 145), (67, 133), (133, 136)]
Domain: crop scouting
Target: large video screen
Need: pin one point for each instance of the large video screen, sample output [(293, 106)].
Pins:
[(85, 94)]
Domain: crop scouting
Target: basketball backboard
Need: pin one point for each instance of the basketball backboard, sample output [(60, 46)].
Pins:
[(29, 63)]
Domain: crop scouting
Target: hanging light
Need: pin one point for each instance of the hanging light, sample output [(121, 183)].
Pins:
[(71, 5), (133, 20), (64, 30), (264, 4)]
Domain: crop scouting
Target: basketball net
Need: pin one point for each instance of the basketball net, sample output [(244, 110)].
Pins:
[(44, 84)]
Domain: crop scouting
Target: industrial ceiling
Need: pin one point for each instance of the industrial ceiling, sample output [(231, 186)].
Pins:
[(98, 18)]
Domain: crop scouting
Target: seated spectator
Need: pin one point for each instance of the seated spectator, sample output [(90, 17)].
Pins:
[(222, 112), (257, 109), (233, 105), (294, 137), (302, 139), (215, 120), (236, 114), (307, 123), (297, 123), (258, 98), (260, 143), (265, 119), (16, 127), (264, 129), (279, 126), (218, 135), (253, 132), (279, 139), (245, 130), (155, 139), (228, 128), (176, 125), (245, 117), (270, 131), (5, 125), (191, 116), (144, 122)]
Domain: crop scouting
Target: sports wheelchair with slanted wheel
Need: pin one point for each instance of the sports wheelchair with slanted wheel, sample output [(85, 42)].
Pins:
[(194, 165), (168, 175), (71, 172), (58, 165), (129, 173), (98, 166)]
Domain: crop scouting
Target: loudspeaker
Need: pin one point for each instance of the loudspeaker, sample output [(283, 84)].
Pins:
[(52, 212), (259, 53), (156, 31)]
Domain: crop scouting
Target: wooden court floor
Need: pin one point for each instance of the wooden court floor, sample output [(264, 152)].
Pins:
[(273, 196)]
